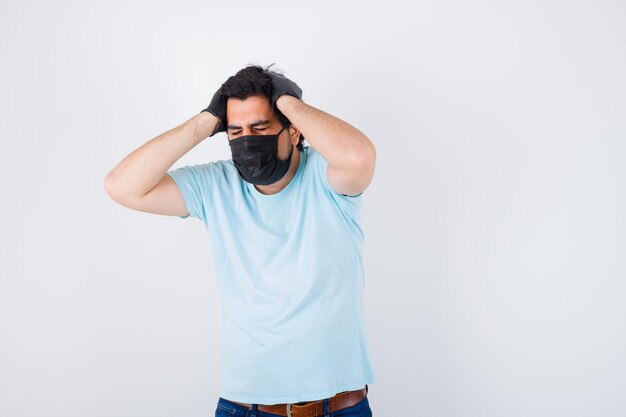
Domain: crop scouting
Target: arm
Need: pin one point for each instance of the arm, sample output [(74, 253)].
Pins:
[(351, 156), (131, 181)]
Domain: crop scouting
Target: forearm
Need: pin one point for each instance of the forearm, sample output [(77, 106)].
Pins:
[(143, 168), (341, 144)]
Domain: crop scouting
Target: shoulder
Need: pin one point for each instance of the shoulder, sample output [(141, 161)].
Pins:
[(315, 161), (223, 167), (317, 165), (214, 168), (311, 153), (206, 176)]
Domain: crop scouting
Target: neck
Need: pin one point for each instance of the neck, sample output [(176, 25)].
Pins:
[(279, 185)]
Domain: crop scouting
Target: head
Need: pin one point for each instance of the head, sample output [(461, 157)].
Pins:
[(249, 111)]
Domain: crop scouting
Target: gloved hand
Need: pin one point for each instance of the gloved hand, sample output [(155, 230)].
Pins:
[(217, 108), (282, 85)]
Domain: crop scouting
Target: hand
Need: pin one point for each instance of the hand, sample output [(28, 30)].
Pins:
[(283, 85), (217, 108)]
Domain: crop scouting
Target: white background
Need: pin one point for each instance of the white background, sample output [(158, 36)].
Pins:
[(495, 226)]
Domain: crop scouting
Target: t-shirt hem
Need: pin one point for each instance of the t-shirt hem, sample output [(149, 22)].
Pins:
[(291, 400)]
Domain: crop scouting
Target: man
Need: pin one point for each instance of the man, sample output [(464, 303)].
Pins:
[(283, 222)]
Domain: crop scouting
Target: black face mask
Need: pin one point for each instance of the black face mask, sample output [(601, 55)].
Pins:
[(256, 158)]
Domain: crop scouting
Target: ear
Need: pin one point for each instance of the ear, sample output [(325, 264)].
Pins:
[(294, 134)]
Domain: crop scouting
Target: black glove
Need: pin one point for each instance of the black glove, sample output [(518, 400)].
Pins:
[(282, 85), (217, 108)]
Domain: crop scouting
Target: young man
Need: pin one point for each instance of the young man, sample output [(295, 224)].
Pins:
[(283, 223)]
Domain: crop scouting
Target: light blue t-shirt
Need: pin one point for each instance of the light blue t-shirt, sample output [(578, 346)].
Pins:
[(290, 276)]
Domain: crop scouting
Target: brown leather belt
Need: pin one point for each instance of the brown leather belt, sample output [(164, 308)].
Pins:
[(313, 408)]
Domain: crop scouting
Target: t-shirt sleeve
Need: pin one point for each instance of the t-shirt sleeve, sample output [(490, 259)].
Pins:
[(348, 204), (193, 181)]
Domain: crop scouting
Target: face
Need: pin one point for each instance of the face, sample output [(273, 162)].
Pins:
[(254, 116)]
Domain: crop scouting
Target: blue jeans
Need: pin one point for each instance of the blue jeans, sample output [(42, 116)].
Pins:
[(227, 408)]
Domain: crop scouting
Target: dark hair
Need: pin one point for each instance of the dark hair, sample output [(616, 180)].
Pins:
[(252, 81)]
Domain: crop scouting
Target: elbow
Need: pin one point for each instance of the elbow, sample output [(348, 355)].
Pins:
[(365, 157), (364, 163), (111, 188), (107, 184)]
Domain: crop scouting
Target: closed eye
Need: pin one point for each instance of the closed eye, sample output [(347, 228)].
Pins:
[(257, 129)]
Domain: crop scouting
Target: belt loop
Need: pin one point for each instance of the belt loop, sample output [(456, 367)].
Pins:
[(252, 412), (326, 407)]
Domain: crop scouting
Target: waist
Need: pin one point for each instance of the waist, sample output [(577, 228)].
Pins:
[(362, 390)]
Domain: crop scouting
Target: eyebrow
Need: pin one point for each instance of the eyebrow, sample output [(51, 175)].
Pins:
[(257, 123)]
